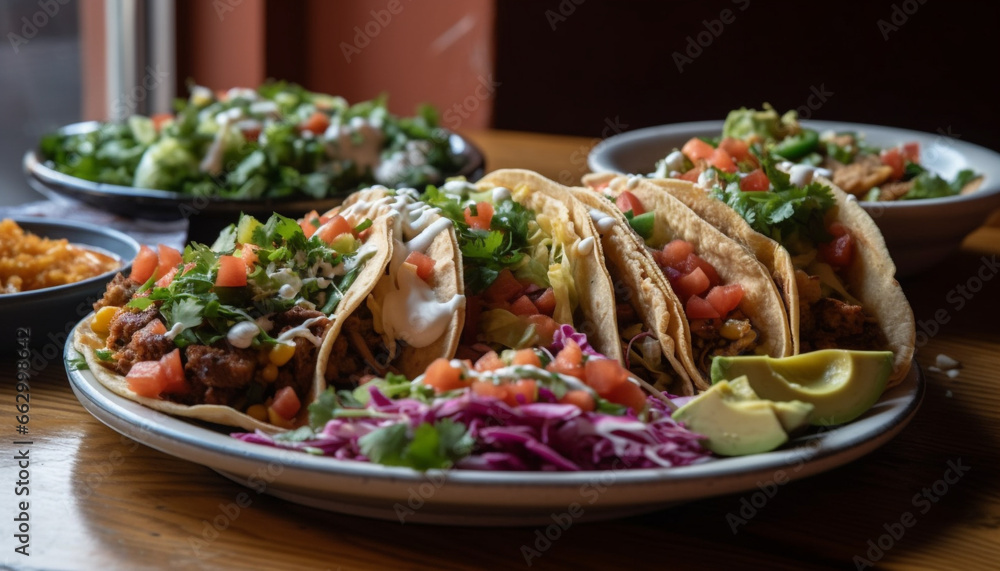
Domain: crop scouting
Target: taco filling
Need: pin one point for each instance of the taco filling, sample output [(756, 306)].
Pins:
[(800, 216), (518, 266), (236, 324)]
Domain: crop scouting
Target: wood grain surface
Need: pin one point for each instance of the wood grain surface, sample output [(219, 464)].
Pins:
[(101, 501)]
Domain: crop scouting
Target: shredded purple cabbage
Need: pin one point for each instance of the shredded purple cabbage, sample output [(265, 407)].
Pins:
[(541, 436)]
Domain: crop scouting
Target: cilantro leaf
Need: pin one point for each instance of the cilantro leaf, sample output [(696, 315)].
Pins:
[(427, 447)]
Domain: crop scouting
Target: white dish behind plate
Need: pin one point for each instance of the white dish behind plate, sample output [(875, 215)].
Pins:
[(485, 498), (918, 233)]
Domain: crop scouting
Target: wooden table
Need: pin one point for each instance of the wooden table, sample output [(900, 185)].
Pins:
[(101, 501)]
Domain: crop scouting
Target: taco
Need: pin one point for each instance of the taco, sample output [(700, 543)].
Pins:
[(824, 252), (231, 333), (689, 292), (532, 264), (414, 312)]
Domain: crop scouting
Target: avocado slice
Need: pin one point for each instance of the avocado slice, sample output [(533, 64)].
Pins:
[(730, 425), (841, 384), (792, 415)]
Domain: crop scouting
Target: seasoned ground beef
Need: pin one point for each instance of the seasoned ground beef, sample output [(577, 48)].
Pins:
[(830, 323), (144, 346), (118, 293), (125, 323), (222, 368)]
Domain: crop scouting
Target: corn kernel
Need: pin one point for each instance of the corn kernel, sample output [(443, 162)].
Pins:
[(277, 420), (102, 319), (282, 353), (258, 411), (270, 373)]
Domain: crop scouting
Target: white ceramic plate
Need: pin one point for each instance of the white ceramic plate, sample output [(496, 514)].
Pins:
[(486, 498), (918, 233)]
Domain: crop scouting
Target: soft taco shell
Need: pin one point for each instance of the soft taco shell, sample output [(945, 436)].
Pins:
[(87, 342), (870, 278), (761, 302), (447, 282), (593, 284)]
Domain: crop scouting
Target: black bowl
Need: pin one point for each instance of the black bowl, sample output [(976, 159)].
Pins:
[(206, 215), (41, 319)]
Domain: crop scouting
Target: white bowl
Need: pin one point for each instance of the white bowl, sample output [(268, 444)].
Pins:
[(919, 233)]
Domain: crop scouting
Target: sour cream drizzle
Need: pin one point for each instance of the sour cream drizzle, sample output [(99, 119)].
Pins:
[(242, 334), (302, 330)]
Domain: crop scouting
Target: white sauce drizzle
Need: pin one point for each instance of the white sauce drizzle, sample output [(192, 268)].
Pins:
[(301, 330), (586, 246), (242, 334)]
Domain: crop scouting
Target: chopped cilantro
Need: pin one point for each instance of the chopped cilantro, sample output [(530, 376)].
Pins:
[(427, 447)]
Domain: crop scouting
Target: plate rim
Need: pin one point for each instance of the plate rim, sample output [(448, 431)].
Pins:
[(86, 387)]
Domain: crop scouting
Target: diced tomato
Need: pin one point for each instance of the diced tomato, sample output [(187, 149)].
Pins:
[(737, 149), (167, 278), (523, 391), (837, 229), (523, 306), (911, 152), (604, 375), (423, 262), (146, 379), (692, 175), (155, 327), (630, 395), (169, 259), (334, 227), (473, 311), (754, 181), (696, 149), (160, 120), (839, 252), (286, 403), (248, 253), (526, 357), (489, 390), (894, 158), (251, 134), (310, 223), (504, 288), (600, 187), (627, 201), (316, 123), (488, 362), (546, 303), (232, 272), (545, 328), (709, 269), (725, 298), (693, 283), (580, 398), (569, 361), (698, 308), (173, 373), (482, 218), (675, 252), (442, 376), (721, 160), (144, 265)]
